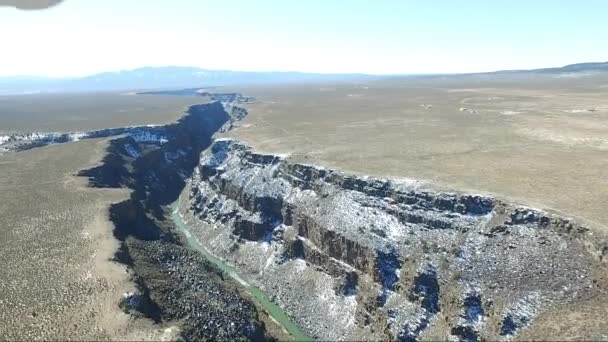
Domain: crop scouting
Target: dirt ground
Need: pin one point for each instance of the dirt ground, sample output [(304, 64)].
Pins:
[(57, 281), (540, 140)]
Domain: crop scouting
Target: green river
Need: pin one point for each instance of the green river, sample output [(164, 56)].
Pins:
[(260, 297)]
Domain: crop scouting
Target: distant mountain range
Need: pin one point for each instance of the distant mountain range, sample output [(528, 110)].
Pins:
[(570, 68), (159, 78), (602, 66), (153, 78)]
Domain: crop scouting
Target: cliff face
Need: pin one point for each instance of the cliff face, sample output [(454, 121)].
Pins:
[(363, 258), (176, 284)]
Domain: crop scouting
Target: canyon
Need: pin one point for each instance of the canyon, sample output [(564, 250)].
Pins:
[(304, 171), (224, 241), (355, 257)]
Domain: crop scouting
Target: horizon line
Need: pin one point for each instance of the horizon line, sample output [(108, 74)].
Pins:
[(39, 76)]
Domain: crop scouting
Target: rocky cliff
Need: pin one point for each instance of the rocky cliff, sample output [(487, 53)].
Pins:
[(177, 286), (353, 258)]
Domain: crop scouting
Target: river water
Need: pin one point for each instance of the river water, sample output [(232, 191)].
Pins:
[(275, 312)]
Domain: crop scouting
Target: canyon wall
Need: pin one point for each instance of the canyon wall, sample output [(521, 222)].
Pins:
[(176, 285), (350, 257)]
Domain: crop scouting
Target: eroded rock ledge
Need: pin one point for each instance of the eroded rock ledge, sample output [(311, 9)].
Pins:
[(362, 258)]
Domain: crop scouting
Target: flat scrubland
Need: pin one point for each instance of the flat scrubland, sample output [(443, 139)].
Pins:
[(84, 112), (537, 139), (57, 281)]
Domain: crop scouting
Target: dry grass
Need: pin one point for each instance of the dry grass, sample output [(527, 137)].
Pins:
[(56, 280)]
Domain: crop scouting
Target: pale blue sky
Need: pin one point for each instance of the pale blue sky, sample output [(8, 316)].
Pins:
[(81, 37)]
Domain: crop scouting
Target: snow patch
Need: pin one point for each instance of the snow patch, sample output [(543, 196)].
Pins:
[(144, 136), (132, 151), (583, 110), (77, 136), (519, 315), (510, 112)]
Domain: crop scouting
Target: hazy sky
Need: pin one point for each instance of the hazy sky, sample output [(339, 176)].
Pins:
[(85, 36)]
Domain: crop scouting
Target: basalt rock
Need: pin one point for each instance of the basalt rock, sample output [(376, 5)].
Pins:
[(176, 285), (351, 257)]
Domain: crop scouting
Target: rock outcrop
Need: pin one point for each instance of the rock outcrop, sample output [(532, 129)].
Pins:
[(353, 258)]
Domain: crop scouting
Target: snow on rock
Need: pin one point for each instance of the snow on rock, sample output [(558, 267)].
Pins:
[(520, 314), (147, 136), (338, 250), (133, 151), (77, 136)]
